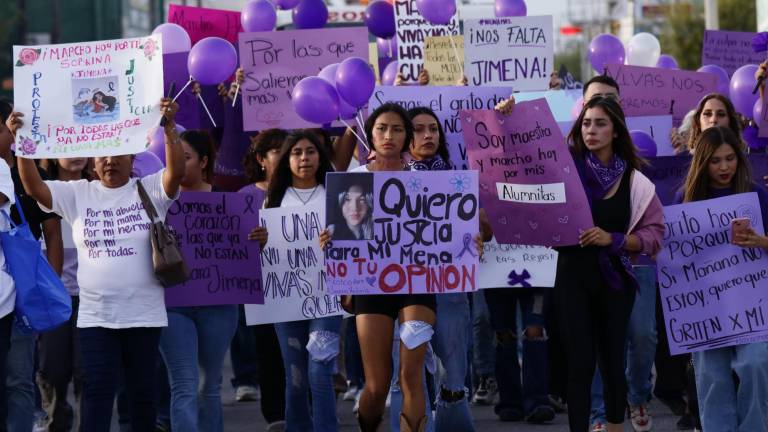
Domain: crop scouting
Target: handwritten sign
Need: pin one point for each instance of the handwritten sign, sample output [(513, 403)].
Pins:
[(446, 102), (658, 127), (652, 91), (292, 268), (274, 62), (713, 294), (517, 266), (416, 232), (560, 101), (729, 50), (440, 59), (515, 51), (201, 23), (89, 98), (412, 31), (212, 228), (529, 185)]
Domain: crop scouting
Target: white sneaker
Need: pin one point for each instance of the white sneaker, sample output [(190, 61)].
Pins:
[(350, 394), (641, 418), (247, 393), (356, 408)]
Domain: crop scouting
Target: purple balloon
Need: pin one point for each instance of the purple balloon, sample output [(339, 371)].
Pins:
[(723, 80), (438, 12), (510, 8), (666, 61), (212, 60), (757, 111), (755, 143), (645, 144), (175, 38), (315, 100), (389, 73), (286, 4), (328, 73), (310, 14), (258, 15), (605, 49), (156, 141), (380, 19), (355, 81), (387, 48), (742, 83), (146, 163)]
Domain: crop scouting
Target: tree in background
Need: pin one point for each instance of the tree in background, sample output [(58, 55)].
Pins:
[(9, 14)]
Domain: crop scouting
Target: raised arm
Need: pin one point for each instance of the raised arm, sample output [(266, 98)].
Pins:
[(343, 149), (30, 176), (174, 153)]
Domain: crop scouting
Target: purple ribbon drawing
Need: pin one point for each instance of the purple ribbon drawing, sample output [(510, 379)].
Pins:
[(467, 242), (521, 278)]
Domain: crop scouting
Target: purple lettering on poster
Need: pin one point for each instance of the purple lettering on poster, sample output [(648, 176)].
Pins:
[(212, 229), (713, 294), (402, 232), (529, 185), (729, 49), (201, 23), (102, 227), (274, 62), (649, 91)]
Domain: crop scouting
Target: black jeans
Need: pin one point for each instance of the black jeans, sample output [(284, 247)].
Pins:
[(104, 352), (5, 344), (271, 372)]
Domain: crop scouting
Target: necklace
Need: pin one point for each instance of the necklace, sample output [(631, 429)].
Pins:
[(311, 194)]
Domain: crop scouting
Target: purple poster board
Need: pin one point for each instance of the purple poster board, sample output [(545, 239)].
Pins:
[(713, 293), (203, 22), (729, 49), (529, 186), (649, 91), (212, 228), (418, 238), (274, 62)]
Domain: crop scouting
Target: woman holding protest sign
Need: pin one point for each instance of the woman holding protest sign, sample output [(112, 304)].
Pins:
[(122, 306), (595, 286), (720, 168), (713, 110), (309, 347)]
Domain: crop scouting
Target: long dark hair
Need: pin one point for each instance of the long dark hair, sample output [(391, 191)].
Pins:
[(283, 177), (697, 181), (393, 108), (733, 120), (442, 144), (261, 144), (202, 143), (109, 101), (622, 143)]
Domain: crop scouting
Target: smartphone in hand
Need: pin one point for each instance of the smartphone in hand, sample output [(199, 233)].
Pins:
[(739, 226)]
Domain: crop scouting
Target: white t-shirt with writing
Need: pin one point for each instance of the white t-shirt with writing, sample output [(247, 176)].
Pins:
[(110, 228), (7, 287)]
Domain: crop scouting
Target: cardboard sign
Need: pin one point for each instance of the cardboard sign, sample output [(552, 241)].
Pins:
[(713, 294), (201, 23), (729, 49), (529, 185), (88, 98), (440, 59), (412, 31), (517, 266), (212, 228), (402, 232), (274, 62), (517, 52)]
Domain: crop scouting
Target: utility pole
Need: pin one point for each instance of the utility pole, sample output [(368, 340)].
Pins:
[(711, 21)]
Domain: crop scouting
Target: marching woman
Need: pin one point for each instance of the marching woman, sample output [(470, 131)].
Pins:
[(122, 307), (720, 168), (309, 347), (713, 110), (595, 287)]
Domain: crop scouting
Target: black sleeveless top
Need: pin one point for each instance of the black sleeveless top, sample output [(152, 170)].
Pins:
[(613, 214)]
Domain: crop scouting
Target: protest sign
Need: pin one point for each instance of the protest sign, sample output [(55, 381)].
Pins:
[(729, 49), (647, 91), (212, 229), (373, 60), (402, 232), (446, 102), (712, 292), (516, 266), (560, 102), (515, 51), (529, 185), (88, 98), (567, 79), (412, 31), (292, 268), (274, 62), (440, 59), (201, 23), (658, 127)]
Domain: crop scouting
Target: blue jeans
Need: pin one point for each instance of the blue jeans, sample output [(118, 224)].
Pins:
[(641, 347), (245, 364), (726, 407), (20, 381), (309, 370), (484, 357), (197, 336), (531, 393), (451, 344)]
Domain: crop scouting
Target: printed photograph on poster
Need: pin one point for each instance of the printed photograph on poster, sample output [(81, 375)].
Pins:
[(94, 100), (350, 206)]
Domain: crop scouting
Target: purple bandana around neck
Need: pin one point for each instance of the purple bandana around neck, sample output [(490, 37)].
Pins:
[(604, 177), (435, 163)]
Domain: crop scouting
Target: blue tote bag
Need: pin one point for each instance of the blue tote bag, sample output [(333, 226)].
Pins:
[(42, 302)]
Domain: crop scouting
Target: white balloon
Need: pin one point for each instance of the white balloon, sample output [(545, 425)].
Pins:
[(643, 50)]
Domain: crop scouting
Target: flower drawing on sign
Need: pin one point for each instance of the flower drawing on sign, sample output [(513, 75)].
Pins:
[(460, 182), (149, 47), (414, 184), (27, 146), (28, 56)]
